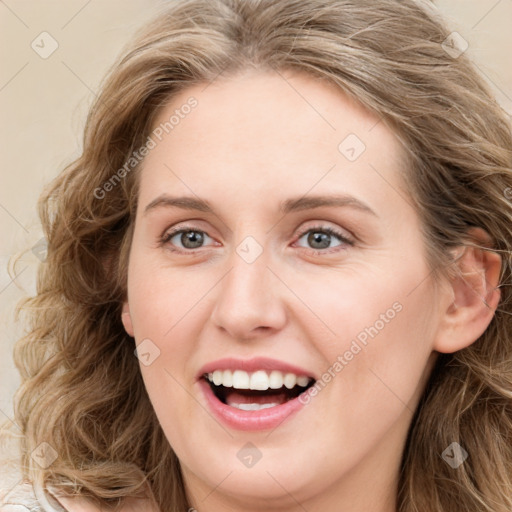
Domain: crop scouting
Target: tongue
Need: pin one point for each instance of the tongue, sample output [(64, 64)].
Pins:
[(255, 397)]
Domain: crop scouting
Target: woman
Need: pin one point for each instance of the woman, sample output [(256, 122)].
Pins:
[(297, 214)]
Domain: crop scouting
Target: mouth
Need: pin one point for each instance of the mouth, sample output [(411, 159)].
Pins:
[(258, 390), (253, 394)]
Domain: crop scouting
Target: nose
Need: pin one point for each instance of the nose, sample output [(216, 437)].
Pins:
[(249, 302)]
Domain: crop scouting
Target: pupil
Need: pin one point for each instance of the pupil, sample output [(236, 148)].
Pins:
[(322, 238), (192, 237)]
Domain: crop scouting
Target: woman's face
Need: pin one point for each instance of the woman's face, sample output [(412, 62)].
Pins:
[(275, 247)]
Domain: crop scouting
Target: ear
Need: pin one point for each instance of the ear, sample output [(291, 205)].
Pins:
[(473, 295), (127, 319)]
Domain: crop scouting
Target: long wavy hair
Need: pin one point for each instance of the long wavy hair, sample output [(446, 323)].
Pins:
[(82, 390)]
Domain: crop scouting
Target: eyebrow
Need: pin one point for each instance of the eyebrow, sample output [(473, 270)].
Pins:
[(285, 207)]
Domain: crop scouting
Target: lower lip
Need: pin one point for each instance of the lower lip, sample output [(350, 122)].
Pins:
[(264, 419)]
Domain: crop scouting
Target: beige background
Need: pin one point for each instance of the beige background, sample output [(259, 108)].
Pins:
[(43, 103)]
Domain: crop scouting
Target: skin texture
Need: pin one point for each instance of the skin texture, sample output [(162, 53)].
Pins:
[(254, 140)]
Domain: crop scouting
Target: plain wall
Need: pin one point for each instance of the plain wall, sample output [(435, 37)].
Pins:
[(43, 103)]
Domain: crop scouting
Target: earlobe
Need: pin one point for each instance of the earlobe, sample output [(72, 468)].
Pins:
[(127, 319), (474, 296)]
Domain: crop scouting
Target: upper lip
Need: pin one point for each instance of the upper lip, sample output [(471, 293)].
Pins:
[(253, 365)]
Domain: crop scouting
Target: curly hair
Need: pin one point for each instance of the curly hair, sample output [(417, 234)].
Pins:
[(82, 391)]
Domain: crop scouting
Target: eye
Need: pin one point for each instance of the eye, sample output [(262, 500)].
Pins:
[(320, 238), (189, 238)]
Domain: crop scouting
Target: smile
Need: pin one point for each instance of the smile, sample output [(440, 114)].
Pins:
[(253, 400), (257, 390)]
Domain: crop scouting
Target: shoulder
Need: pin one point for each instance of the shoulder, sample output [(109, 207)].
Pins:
[(21, 498)]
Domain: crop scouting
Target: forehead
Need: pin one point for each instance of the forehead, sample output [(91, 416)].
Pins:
[(281, 130), (256, 99)]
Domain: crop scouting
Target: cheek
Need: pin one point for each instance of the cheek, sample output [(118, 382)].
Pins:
[(365, 304), (382, 326), (166, 313), (161, 298), (384, 366), (163, 308)]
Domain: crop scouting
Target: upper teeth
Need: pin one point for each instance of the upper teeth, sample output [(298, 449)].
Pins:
[(259, 380)]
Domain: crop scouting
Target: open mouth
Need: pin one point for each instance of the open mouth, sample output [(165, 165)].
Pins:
[(253, 391)]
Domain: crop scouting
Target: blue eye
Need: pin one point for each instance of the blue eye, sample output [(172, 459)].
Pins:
[(188, 237), (320, 238)]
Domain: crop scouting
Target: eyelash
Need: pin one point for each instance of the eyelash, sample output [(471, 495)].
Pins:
[(165, 239)]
